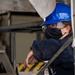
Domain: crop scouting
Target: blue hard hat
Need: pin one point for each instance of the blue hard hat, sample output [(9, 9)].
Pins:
[(62, 12)]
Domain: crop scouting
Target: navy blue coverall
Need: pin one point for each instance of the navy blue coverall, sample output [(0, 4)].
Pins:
[(45, 49)]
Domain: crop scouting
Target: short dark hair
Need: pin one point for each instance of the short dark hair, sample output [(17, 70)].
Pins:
[(66, 23)]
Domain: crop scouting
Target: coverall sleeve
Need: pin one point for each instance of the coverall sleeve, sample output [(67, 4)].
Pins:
[(44, 49)]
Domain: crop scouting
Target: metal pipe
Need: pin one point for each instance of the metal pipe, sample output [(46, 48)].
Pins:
[(12, 43), (73, 25)]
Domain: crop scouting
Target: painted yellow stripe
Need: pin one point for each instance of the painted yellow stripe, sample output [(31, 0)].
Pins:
[(27, 69), (38, 66), (20, 67)]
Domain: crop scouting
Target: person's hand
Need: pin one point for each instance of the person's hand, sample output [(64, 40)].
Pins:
[(30, 54)]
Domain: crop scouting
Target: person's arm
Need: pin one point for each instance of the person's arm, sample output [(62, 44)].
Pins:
[(30, 54), (42, 50)]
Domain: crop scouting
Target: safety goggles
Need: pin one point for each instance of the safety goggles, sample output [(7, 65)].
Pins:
[(59, 25)]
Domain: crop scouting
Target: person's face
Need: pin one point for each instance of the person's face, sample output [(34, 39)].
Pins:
[(64, 29)]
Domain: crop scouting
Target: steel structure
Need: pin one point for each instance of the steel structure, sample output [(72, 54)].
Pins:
[(34, 27), (12, 29)]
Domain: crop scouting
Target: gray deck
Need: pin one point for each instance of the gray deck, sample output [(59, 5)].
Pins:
[(27, 73)]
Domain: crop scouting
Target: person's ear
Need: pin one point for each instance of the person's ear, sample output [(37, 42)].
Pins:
[(68, 28)]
